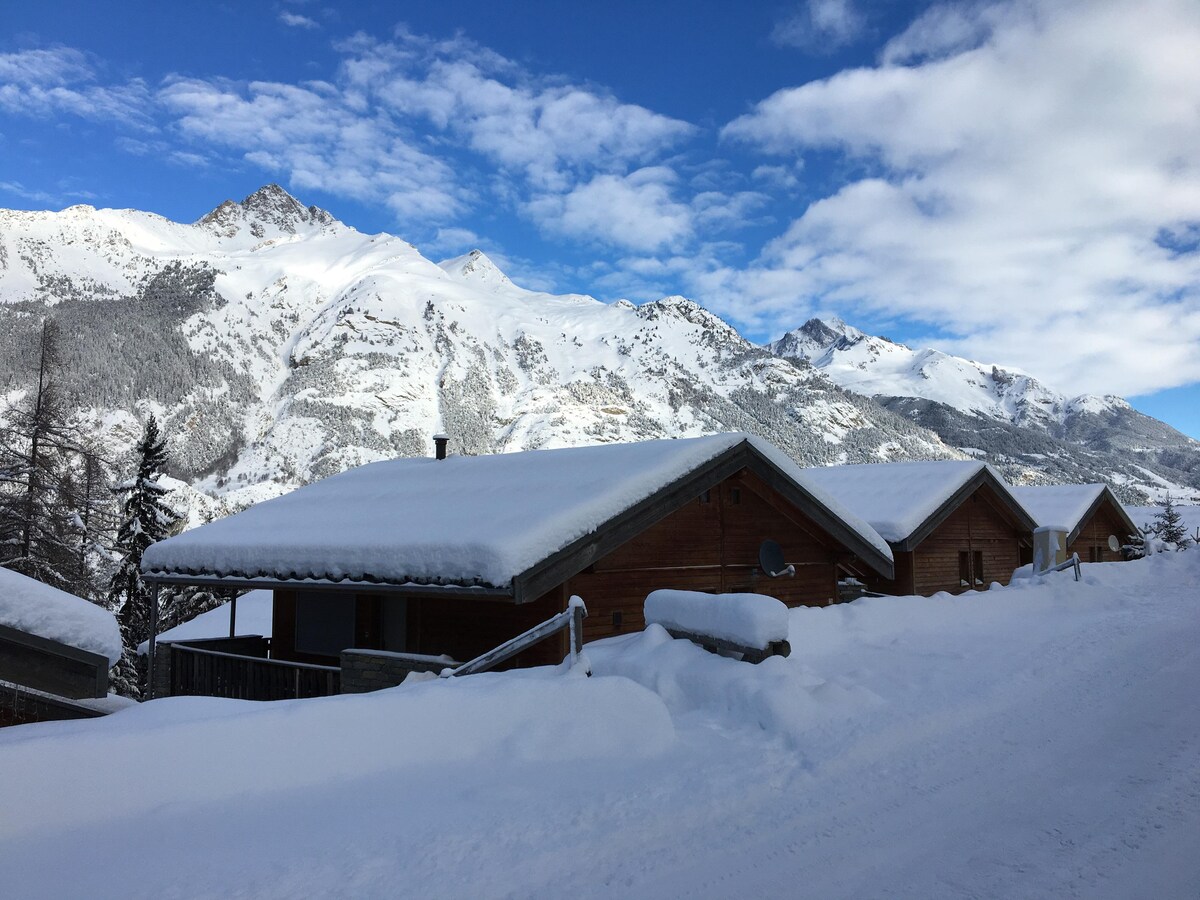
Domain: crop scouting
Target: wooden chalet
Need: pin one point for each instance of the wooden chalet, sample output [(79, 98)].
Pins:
[(1089, 515), (451, 557), (55, 653), (952, 525)]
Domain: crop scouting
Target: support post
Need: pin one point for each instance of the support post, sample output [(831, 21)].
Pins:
[(233, 616), (153, 641)]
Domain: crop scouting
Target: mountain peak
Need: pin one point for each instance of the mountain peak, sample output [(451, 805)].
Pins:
[(477, 268), (269, 209)]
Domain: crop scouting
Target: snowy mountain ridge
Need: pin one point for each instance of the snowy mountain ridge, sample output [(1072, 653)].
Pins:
[(279, 345), (877, 366)]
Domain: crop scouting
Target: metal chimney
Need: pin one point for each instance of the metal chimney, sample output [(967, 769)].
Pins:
[(440, 441)]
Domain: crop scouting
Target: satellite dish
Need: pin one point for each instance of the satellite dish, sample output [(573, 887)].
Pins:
[(1113, 544), (770, 558)]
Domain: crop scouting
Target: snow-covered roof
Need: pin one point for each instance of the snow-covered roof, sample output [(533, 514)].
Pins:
[(1061, 506), (35, 608), (474, 521), (897, 499), (254, 616)]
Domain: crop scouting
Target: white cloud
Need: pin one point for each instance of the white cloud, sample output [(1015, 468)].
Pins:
[(1028, 165), (311, 134), (295, 20), (548, 130), (636, 211), (45, 82), (821, 26)]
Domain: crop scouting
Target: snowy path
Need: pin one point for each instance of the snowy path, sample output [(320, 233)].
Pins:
[(1038, 742)]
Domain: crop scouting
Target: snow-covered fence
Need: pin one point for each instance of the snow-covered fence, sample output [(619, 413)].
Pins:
[(754, 626)]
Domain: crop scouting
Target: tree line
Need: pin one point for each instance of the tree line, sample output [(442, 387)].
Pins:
[(70, 520)]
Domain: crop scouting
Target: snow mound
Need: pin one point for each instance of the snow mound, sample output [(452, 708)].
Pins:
[(36, 608), (230, 750), (781, 697), (752, 620)]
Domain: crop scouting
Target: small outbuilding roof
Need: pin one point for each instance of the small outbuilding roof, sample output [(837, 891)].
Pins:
[(1068, 506), (38, 609), (506, 523), (905, 501)]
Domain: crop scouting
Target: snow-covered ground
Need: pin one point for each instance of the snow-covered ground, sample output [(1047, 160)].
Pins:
[(1041, 740)]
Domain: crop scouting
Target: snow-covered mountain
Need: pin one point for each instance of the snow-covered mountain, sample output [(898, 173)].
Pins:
[(280, 345), (876, 366), (1008, 415)]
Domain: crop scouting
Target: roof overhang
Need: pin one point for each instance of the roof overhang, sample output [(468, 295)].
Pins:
[(244, 582)]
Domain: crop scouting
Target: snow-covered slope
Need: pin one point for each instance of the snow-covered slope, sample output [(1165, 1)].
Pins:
[(1033, 741), (281, 345)]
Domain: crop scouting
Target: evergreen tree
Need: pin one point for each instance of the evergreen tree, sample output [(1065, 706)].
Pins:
[(1168, 525), (146, 518), (36, 456)]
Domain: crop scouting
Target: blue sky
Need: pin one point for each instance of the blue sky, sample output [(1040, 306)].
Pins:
[(1013, 181)]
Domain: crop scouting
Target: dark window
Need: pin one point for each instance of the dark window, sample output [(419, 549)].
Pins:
[(706, 497), (617, 619), (395, 624), (324, 622), (979, 581), (964, 569), (735, 495)]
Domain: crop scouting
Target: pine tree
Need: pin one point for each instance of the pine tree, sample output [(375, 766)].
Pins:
[(145, 519), (37, 537), (1168, 525)]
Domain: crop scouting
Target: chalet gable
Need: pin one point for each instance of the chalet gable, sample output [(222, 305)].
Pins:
[(906, 502), (1071, 506)]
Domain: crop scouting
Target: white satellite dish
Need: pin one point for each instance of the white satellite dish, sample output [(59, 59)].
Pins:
[(770, 557), (1113, 544)]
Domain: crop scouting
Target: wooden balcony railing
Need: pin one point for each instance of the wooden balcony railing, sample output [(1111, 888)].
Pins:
[(204, 671)]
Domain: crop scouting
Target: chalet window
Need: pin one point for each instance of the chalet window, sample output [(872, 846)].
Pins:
[(735, 495), (964, 568), (706, 497), (979, 581), (1095, 554), (324, 622)]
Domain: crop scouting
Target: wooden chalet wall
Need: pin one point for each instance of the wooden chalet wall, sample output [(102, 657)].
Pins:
[(710, 544), (1092, 541), (977, 528)]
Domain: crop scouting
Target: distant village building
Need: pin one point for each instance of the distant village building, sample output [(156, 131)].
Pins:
[(1089, 514), (449, 558), (952, 525)]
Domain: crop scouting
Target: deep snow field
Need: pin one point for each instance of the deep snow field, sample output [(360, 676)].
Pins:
[(1040, 740)]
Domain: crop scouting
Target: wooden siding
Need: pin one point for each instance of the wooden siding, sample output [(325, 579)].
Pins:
[(710, 544), (1092, 541)]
